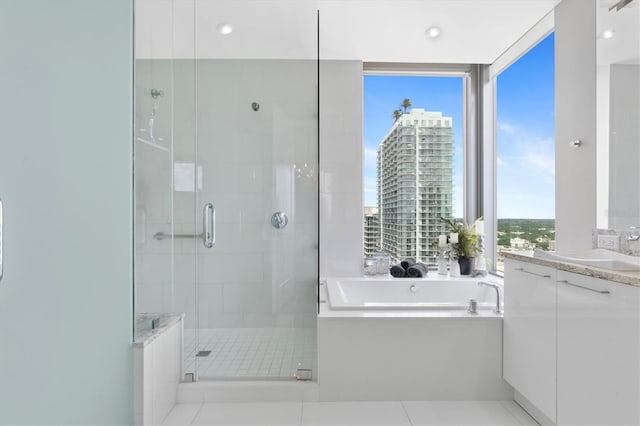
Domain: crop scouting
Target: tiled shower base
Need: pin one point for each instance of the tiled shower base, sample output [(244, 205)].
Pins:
[(250, 353)]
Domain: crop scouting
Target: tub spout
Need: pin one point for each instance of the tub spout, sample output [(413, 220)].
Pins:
[(498, 309)]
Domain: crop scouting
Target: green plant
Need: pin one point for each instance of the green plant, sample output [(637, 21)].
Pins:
[(467, 245)]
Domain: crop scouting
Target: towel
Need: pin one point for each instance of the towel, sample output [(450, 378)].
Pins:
[(419, 270), (408, 262), (397, 271)]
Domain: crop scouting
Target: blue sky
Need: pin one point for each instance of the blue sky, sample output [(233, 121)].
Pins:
[(525, 129)]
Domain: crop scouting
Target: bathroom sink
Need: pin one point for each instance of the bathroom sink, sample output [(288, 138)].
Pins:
[(594, 258)]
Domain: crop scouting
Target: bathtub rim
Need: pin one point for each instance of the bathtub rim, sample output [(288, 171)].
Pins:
[(325, 310)]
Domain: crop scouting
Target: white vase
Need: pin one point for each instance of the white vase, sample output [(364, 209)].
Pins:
[(442, 265), (455, 268)]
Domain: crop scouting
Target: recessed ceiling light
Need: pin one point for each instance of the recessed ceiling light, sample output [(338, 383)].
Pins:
[(224, 28), (608, 34), (434, 32)]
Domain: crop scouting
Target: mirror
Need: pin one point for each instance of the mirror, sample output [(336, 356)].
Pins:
[(618, 114)]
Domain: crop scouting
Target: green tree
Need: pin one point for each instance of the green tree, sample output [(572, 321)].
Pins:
[(397, 114), (406, 103)]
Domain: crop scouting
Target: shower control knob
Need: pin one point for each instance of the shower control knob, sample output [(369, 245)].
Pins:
[(279, 220), (413, 288)]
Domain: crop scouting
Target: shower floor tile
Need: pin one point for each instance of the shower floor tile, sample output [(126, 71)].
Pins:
[(251, 352)]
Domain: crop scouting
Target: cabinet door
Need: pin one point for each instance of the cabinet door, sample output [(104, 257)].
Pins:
[(530, 333), (598, 351)]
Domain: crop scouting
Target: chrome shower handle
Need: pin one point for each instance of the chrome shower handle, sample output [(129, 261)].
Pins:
[(209, 225), (1, 240)]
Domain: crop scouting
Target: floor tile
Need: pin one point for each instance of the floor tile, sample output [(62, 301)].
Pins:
[(182, 415), (459, 413), (353, 414), (250, 414)]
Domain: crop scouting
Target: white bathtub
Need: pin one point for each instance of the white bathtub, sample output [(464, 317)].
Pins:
[(433, 293), (396, 339)]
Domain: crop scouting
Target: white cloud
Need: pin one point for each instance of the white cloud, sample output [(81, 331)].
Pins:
[(526, 172), (506, 127)]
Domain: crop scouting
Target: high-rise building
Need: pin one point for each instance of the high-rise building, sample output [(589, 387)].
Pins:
[(415, 184), (371, 231)]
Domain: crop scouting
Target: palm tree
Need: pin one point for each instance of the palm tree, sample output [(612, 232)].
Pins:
[(397, 114), (406, 103)]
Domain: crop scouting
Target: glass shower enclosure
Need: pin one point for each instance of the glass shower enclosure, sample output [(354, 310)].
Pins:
[(226, 182)]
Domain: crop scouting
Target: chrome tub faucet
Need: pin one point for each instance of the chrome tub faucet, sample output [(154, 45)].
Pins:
[(498, 309)]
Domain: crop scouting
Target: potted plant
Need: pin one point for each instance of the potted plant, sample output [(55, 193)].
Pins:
[(466, 248)]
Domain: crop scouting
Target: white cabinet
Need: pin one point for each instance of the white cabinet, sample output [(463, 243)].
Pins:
[(530, 333), (598, 351)]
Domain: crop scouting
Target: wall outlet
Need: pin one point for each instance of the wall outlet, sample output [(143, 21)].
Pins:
[(609, 242)]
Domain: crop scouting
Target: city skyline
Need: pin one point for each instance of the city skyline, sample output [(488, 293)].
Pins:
[(525, 129)]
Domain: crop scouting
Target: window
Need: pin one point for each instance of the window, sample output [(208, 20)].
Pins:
[(413, 131), (525, 146)]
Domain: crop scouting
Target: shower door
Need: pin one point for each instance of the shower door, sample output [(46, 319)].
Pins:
[(255, 197)]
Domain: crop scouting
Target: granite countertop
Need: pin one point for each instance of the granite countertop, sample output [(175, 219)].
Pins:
[(623, 277)]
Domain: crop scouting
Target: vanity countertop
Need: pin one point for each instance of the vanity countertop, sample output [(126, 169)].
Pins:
[(623, 277)]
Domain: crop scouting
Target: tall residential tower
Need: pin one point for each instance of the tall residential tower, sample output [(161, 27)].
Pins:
[(371, 231), (415, 184)]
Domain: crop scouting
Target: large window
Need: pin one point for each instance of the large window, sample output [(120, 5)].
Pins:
[(526, 152), (413, 131)]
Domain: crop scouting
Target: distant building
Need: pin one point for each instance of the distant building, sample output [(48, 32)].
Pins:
[(552, 245), (371, 231), (519, 243), (415, 184)]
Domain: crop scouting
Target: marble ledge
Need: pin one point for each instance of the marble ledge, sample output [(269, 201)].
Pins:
[(630, 278), (145, 334)]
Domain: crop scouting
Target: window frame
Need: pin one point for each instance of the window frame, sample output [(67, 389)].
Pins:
[(521, 47), (471, 113)]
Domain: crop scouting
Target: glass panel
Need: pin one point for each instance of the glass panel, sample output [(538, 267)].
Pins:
[(257, 156), (164, 151), (526, 153), (153, 124), (221, 127)]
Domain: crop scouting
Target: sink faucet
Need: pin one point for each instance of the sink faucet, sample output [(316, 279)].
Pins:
[(498, 309)]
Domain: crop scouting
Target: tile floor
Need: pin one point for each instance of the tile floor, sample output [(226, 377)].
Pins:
[(251, 352), (432, 413)]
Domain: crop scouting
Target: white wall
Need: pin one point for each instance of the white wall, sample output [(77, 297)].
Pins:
[(66, 182), (624, 144), (575, 61), (341, 162)]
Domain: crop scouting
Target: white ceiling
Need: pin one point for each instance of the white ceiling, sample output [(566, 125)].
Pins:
[(473, 31), (624, 46)]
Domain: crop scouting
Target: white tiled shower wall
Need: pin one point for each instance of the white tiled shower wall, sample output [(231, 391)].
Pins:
[(255, 275)]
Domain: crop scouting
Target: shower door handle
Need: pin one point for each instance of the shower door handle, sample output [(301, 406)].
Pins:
[(1, 240), (209, 225)]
